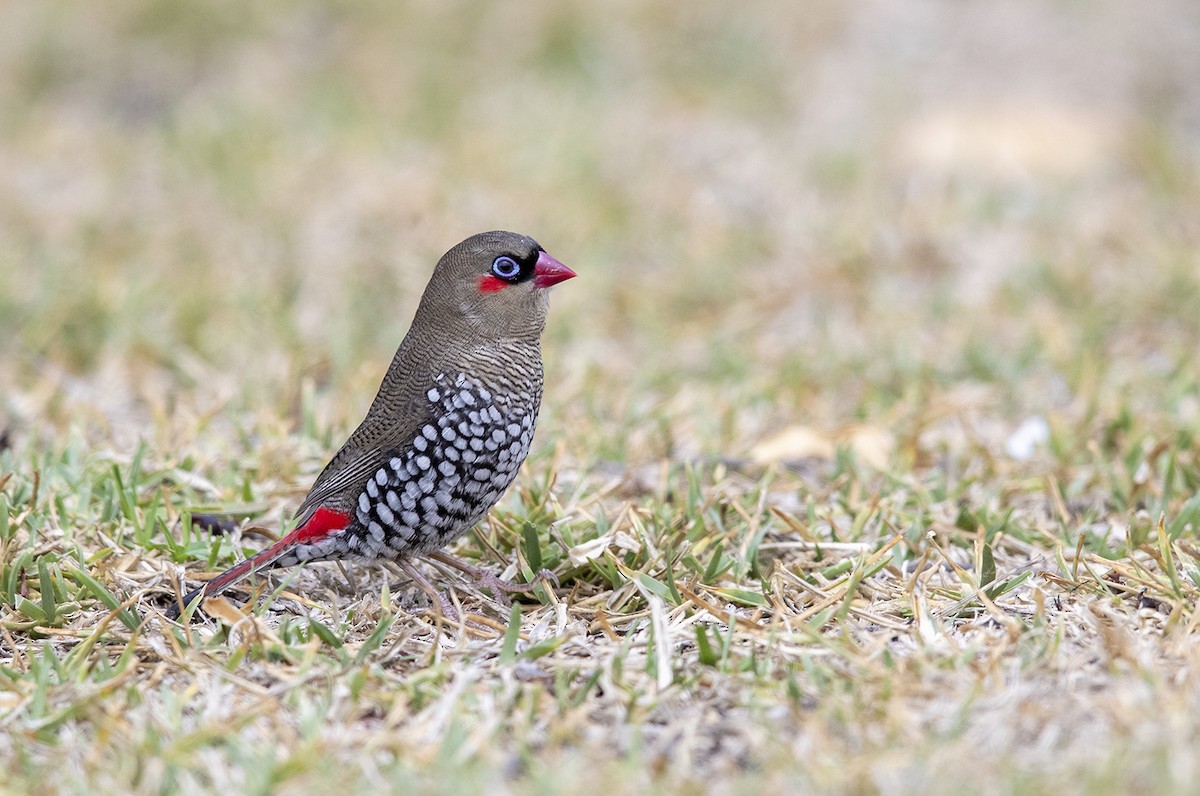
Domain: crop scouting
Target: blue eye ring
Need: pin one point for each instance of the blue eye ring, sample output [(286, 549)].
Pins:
[(505, 267)]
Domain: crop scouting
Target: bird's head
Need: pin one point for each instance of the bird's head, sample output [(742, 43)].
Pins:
[(495, 283)]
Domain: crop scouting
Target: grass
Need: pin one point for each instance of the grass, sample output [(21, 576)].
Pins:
[(869, 456)]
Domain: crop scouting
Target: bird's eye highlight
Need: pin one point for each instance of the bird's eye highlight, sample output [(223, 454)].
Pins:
[(505, 267)]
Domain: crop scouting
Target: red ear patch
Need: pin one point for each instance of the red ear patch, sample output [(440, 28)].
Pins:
[(491, 284)]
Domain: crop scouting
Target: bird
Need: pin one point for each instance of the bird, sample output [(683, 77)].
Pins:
[(445, 435)]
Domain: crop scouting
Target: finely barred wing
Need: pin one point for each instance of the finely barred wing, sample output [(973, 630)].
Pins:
[(379, 437)]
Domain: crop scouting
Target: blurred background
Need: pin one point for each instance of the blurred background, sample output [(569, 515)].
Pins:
[(216, 218)]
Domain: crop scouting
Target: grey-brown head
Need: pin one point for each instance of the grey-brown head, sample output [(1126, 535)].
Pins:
[(492, 285)]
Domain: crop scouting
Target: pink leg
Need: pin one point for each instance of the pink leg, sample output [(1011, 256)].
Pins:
[(486, 580), (447, 608)]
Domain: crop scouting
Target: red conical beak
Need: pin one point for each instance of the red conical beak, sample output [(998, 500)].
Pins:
[(548, 271)]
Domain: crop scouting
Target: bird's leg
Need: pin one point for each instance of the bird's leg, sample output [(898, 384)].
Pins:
[(486, 580), (447, 608), (348, 576)]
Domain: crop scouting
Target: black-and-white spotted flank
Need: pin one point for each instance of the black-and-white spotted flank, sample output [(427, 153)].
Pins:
[(454, 470)]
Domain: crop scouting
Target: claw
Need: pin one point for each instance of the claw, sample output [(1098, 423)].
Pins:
[(444, 606), (544, 576)]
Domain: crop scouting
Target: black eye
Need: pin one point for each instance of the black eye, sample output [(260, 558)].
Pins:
[(505, 267)]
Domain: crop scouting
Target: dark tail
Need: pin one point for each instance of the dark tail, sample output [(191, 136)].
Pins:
[(260, 561), (322, 522)]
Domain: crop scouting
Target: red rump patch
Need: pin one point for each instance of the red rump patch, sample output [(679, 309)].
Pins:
[(322, 523), (491, 284)]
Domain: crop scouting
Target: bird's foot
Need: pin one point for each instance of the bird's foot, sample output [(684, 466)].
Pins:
[(499, 587), (445, 605)]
